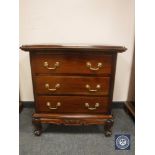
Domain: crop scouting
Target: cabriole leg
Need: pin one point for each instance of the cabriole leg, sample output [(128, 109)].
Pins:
[(107, 127), (37, 127)]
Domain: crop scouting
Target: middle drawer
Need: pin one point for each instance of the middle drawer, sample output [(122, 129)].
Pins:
[(72, 85)]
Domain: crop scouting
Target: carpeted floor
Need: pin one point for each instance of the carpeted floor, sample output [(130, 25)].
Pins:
[(65, 140)]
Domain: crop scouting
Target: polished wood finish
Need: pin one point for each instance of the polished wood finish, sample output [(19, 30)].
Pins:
[(81, 47), (70, 119), (74, 104), (73, 85), (71, 64)]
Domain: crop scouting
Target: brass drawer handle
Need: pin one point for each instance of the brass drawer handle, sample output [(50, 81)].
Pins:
[(52, 89), (92, 108), (99, 65), (48, 104), (51, 68), (93, 90)]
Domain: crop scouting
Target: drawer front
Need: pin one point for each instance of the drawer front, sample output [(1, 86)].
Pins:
[(72, 85), (72, 104), (71, 64)]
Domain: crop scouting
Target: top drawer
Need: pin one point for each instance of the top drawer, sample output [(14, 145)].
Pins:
[(71, 64)]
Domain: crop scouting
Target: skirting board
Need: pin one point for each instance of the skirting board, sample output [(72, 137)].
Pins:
[(115, 105)]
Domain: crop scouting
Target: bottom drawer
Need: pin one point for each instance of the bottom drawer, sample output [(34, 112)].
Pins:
[(72, 104)]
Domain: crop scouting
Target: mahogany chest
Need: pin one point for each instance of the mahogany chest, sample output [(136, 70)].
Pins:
[(73, 85)]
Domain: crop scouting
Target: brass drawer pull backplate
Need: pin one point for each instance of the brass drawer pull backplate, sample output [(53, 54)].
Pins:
[(52, 89), (89, 65), (51, 68), (93, 90), (92, 108), (48, 104)]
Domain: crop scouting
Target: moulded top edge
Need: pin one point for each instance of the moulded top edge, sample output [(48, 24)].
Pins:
[(73, 47)]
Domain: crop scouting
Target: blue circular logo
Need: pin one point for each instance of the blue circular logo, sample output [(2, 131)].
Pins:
[(122, 142)]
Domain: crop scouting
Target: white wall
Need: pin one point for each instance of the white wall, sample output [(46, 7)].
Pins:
[(78, 21)]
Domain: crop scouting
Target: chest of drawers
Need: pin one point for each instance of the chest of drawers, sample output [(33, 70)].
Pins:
[(73, 85)]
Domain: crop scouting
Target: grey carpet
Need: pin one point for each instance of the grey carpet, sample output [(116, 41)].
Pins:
[(65, 140)]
